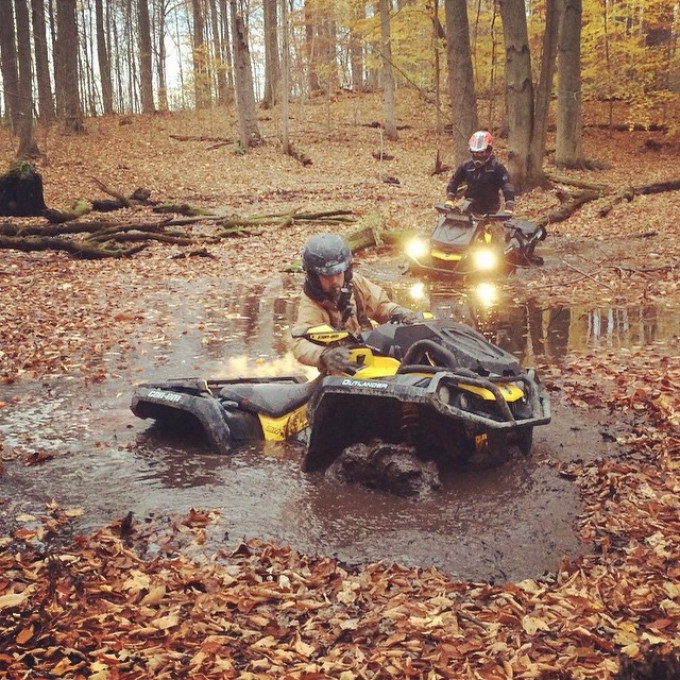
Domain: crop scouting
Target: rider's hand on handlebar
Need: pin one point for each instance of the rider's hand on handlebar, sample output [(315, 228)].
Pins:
[(403, 315), (335, 360), (449, 203)]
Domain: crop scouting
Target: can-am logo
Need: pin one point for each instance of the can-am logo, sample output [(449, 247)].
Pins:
[(164, 396), (364, 383)]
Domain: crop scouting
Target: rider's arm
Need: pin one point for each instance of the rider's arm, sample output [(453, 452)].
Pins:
[(505, 184), (376, 302), (456, 180), (310, 314)]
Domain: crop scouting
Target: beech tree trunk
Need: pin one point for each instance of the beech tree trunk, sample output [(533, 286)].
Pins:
[(249, 133), (568, 150), (145, 65), (27, 145), (67, 63), (8, 63), (464, 115), (519, 89), (42, 62), (387, 74)]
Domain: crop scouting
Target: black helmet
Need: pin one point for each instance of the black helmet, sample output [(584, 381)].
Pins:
[(327, 255)]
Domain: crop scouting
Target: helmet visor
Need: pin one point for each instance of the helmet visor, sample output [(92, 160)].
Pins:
[(331, 268)]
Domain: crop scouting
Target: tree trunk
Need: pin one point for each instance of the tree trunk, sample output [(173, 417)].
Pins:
[(544, 89), (8, 63), (27, 145), (42, 62), (201, 82), (519, 87), (461, 77), (568, 151), (249, 134), (145, 65), (104, 61), (285, 89), (226, 50), (160, 31), (311, 48), (356, 51), (67, 41), (272, 69), (218, 49), (387, 75)]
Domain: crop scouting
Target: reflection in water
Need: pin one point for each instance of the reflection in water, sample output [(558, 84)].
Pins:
[(247, 329), (530, 331)]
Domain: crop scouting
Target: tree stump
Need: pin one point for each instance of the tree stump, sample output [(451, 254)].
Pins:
[(21, 192)]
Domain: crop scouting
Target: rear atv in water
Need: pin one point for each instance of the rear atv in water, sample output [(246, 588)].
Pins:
[(467, 245), (438, 387)]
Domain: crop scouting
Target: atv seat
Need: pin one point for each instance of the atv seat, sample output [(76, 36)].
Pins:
[(269, 399)]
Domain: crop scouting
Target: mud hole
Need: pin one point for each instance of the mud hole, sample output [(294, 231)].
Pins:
[(508, 522), (513, 521)]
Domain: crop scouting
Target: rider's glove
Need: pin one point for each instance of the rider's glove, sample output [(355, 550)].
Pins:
[(510, 207), (335, 360), (450, 203), (403, 315)]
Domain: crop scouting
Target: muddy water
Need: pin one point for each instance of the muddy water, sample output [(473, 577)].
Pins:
[(510, 522)]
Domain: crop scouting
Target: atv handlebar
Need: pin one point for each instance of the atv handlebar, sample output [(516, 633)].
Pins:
[(500, 216)]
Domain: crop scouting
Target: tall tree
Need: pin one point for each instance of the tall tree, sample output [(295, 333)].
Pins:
[(285, 70), (66, 62), (160, 13), (249, 133), (8, 63), (27, 145), (226, 49), (201, 80), (42, 62), (519, 89), (219, 49), (568, 150), (356, 49), (272, 68), (390, 124), (145, 53), (543, 95), (461, 78), (312, 48)]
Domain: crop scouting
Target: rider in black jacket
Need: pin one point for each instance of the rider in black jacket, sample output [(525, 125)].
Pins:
[(484, 176)]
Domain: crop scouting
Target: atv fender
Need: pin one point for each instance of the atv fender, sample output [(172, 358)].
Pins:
[(159, 404)]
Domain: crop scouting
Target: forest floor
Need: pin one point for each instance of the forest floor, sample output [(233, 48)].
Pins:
[(95, 608)]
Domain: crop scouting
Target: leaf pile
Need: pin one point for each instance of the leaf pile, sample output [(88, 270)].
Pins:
[(137, 601)]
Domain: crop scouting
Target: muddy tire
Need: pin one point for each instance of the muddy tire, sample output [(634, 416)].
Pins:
[(525, 440)]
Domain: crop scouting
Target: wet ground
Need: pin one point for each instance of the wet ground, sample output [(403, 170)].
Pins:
[(508, 522)]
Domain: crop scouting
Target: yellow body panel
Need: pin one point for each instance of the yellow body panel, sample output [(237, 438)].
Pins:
[(285, 426), (510, 392), (372, 366), (449, 257)]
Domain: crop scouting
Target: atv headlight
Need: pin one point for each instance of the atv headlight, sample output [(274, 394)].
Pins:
[(444, 394), (464, 402), (485, 259), (416, 248)]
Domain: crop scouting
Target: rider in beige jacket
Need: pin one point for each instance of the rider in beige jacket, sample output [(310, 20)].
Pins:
[(334, 295)]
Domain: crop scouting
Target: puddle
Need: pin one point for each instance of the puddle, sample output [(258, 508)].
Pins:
[(511, 522)]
